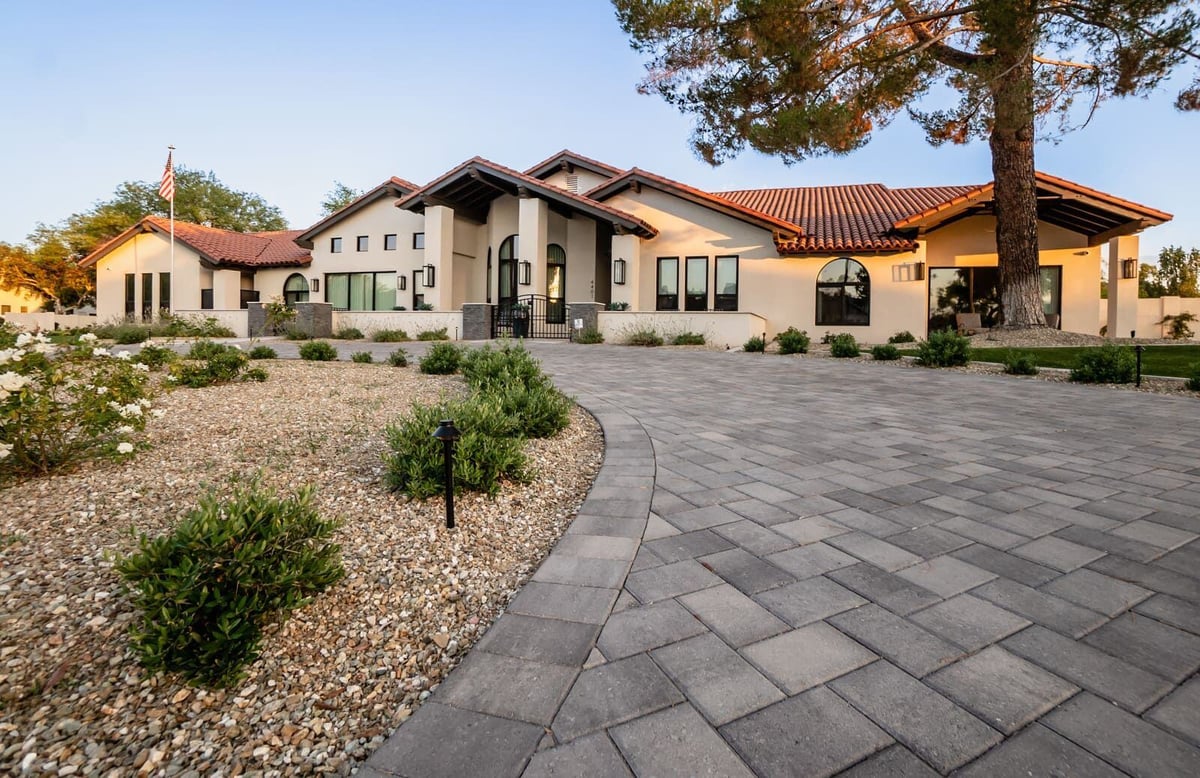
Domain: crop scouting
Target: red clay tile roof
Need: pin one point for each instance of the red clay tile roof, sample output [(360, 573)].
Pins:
[(720, 202), (220, 247), (856, 217), (552, 162)]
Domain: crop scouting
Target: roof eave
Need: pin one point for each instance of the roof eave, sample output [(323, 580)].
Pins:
[(396, 187)]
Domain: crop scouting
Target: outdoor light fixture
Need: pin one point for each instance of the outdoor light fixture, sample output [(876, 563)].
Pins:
[(314, 285), (401, 282), (428, 275), (918, 271), (526, 273), (619, 272), (1129, 268), (448, 433)]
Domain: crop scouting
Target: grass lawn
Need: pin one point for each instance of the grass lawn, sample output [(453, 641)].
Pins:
[(1156, 360)]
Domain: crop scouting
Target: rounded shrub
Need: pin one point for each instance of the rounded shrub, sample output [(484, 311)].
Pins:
[(756, 345), (389, 336), (155, 357), (293, 334), (688, 339), (644, 337), (203, 349), (793, 341), (1107, 364), (944, 348), (263, 352), (398, 358), (589, 336), (230, 568), (1020, 363), (438, 334), (903, 336), (318, 351), (348, 333), (843, 346), (885, 352), (441, 359), (362, 357), (223, 366)]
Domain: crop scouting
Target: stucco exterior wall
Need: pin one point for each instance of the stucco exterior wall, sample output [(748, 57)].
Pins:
[(411, 322), (1150, 313), (586, 179), (18, 302), (237, 320), (719, 328), (148, 252)]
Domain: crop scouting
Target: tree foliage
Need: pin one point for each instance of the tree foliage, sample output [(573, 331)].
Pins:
[(797, 78), (339, 197), (1179, 271)]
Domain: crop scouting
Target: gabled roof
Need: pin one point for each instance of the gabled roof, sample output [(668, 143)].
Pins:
[(852, 218), (469, 188), (636, 177), (1065, 203), (393, 187), (567, 159), (219, 248)]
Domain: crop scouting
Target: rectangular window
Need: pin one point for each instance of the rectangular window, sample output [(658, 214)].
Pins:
[(130, 295), (668, 284), (725, 288), (418, 240), (206, 299), (164, 291), (335, 245), (695, 285), (1052, 290), (362, 243), (147, 296), (248, 296), (5, 309), (389, 242), (361, 291)]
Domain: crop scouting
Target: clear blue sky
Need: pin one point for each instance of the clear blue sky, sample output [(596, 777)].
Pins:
[(282, 98)]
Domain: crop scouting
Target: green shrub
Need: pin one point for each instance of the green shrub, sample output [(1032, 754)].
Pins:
[(125, 334), (255, 374), (1179, 329), (438, 334), (389, 336), (488, 367), (511, 374), (222, 366), (539, 411), (318, 351), (903, 336), (589, 336), (278, 316), (423, 307), (793, 341), (155, 357), (688, 339), (169, 325), (643, 337), (489, 451), (362, 356), (203, 349), (441, 359), (944, 348), (1020, 363), (1193, 378), (62, 406), (398, 358), (843, 346), (1107, 364), (294, 334), (230, 568), (348, 333), (617, 307), (756, 344), (263, 352), (885, 352)]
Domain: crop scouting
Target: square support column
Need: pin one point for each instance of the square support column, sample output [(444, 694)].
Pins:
[(227, 290), (1123, 292), (533, 226), (439, 252), (627, 248)]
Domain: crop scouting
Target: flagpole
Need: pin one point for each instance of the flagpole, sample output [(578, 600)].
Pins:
[(171, 306)]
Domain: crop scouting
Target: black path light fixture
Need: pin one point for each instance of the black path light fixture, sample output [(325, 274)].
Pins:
[(1138, 349), (448, 433)]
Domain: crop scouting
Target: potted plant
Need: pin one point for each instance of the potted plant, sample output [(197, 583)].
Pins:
[(520, 319)]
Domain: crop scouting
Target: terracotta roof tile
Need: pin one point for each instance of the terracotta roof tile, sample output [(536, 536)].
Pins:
[(567, 154), (856, 217), (222, 247)]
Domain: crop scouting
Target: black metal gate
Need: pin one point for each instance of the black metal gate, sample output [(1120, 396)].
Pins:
[(531, 316)]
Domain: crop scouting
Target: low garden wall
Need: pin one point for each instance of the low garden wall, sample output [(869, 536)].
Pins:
[(236, 320), (411, 322), (1151, 311), (49, 321), (720, 328)]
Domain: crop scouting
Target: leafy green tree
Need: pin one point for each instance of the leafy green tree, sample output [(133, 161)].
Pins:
[(48, 272), (1149, 283), (1179, 271), (339, 197), (797, 78)]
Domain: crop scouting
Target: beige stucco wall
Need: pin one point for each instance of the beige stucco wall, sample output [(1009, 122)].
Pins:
[(1150, 313), (719, 328), (411, 322), (19, 302), (587, 179), (148, 252)]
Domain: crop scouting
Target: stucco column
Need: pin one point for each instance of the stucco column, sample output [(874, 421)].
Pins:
[(629, 249), (1123, 292), (227, 290), (439, 252), (532, 226)]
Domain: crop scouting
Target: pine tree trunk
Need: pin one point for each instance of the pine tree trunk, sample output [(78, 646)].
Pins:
[(1016, 199)]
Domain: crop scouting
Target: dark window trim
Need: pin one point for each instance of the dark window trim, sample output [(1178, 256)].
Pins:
[(418, 237), (665, 302), (130, 294), (841, 321), (293, 296), (362, 243), (390, 238), (374, 283), (147, 296), (723, 301), (695, 302), (206, 299), (335, 245), (164, 291)]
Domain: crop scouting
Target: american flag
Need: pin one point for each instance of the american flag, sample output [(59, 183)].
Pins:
[(166, 190)]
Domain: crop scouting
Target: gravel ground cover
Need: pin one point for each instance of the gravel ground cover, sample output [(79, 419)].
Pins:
[(333, 681)]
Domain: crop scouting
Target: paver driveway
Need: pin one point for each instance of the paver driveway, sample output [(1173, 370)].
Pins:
[(847, 568)]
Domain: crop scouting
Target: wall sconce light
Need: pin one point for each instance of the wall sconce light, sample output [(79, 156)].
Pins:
[(1129, 268), (401, 282), (526, 273), (429, 276), (619, 272), (314, 284), (918, 271)]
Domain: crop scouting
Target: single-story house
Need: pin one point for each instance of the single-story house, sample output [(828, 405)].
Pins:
[(865, 259)]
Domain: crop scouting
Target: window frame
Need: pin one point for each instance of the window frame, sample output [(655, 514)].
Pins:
[(130, 294), (843, 320), (374, 287), (362, 243), (164, 291), (390, 242), (289, 293), (721, 300), (147, 296), (667, 301), (335, 245), (418, 238), (695, 302)]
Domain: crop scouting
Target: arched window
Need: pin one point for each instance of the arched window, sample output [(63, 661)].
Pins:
[(844, 293), (295, 289), (556, 283), (509, 249)]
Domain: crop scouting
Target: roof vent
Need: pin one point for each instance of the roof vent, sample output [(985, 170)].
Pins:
[(572, 183)]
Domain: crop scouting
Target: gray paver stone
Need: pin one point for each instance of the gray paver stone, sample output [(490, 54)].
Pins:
[(1155, 534), (871, 549), (982, 533), (1006, 565), (1097, 591), (1179, 712), (894, 762), (1045, 609), (509, 687), (564, 601), (544, 640), (929, 541), (688, 545), (1174, 611), (902, 642), (946, 576), (667, 581), (754, 538), (1157, 578), (597, 546), (814, 559), (940, 732), (745, 571), (677, 741), (810, 529), (1058, 553), (885, 589), (1149, 644), (613, 693), (969, 621), (805, 657), (715, 679), (601, 573), (586, 757), (812, 599), (1039, 752), (733, 615), (643, 627)]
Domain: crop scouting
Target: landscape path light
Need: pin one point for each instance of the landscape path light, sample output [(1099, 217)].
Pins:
[(448, 433)]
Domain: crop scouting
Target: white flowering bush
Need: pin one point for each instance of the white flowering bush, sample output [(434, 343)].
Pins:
[(61, 405)]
